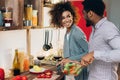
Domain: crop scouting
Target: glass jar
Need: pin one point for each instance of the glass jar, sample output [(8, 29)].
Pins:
[(7, 12), (7, 17), (34, 18), (7, 22), (28, 12)]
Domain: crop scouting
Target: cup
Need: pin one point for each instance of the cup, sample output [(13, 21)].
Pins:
[(26, 63), (37, 62)]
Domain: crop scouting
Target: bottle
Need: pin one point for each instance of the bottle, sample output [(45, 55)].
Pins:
[(16, 64)]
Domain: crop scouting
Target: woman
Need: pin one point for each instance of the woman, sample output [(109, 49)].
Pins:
[(75, 44)]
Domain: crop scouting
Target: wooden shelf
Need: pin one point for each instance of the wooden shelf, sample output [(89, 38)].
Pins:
[(8, 28), (17, 7)]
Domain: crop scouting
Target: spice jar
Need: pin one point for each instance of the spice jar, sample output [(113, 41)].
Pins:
[(7, 17), (28, 12), (8, 22)]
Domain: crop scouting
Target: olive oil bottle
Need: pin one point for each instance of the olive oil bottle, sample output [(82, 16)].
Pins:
[(16, 64)]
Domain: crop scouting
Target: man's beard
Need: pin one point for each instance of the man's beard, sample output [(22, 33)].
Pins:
[(88, 23)]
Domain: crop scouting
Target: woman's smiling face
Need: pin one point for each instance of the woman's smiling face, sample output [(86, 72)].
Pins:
[(67, 19)]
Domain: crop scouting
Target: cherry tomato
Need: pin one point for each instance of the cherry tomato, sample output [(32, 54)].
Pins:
[(65, 72)]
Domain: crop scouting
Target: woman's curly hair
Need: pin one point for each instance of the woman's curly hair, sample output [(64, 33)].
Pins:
[(58, 9)]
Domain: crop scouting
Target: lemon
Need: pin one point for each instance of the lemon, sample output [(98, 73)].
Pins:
[(36, 68)]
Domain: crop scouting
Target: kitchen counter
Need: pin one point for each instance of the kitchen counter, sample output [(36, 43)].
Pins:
[(32, 76)]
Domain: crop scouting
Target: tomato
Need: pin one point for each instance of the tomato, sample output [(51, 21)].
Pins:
[(14, 78), (2, 74), (20, 78), (48, 72), (42, 75), (17, 78), (65, 71), (47, 76), (24, 77)]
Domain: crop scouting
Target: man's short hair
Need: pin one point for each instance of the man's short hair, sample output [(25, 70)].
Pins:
[(96, 6)]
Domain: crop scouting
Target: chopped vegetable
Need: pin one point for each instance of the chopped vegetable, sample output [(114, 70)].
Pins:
[(72, 68)]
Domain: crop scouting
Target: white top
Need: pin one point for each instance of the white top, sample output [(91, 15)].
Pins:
[(68, 34), (105, 42)]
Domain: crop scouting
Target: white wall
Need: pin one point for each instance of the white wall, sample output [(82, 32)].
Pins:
[(46, 17), (113, 11), (10, 40), (37, 39)]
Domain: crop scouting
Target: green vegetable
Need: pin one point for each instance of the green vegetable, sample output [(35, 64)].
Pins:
[(78, 72)]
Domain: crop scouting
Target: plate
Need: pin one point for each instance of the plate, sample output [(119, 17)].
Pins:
[(36, 72)]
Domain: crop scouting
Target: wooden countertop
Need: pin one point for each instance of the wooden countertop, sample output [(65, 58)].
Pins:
[(32, 76)]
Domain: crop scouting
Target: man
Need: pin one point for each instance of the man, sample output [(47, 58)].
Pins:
[(104, 43)]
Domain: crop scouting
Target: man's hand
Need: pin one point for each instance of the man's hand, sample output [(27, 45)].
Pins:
[(87, 59)]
